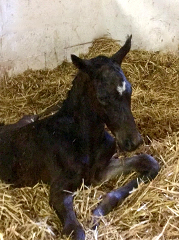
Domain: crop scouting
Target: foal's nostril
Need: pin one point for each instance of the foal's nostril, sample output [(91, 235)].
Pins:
[(131, 145), (128, 144)]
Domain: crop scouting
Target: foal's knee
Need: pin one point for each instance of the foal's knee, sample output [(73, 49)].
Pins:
[(147, 166), (154, 167), (144, 164)]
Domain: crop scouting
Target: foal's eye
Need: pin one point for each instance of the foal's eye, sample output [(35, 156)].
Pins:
[(103, 99)]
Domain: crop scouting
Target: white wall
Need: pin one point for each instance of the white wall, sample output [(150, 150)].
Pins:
[(41, 33), (153, 23)]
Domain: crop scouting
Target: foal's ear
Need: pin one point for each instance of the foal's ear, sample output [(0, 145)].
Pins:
[(79, 63), (118, 57)]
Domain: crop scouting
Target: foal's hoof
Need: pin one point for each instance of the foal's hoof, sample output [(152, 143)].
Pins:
[(26, 119), (76, 233)]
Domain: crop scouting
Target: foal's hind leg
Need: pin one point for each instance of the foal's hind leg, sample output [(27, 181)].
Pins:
[(26, 119), (144, 164)]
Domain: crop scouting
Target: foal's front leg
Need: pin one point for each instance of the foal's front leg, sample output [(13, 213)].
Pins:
[(144, 164), (103, 154), (61, 199)]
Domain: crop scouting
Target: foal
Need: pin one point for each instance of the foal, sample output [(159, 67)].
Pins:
[(73, 145)]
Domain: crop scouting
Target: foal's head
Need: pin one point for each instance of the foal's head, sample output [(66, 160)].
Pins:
[(112, 95)]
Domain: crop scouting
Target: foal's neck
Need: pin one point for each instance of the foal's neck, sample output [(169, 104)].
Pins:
[(80, 102)]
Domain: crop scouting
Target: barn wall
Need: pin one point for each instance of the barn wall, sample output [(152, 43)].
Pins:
[(153, 23), (42, 33)]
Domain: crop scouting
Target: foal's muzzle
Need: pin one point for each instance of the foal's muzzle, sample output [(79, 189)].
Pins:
[(130, 143)]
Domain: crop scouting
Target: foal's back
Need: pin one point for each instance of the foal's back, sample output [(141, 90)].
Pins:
[(39, 151)]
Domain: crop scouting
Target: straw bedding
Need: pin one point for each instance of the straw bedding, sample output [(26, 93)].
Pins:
[(150, 212)]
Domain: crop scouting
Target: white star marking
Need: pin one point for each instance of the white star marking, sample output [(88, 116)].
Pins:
[(122, 88)]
